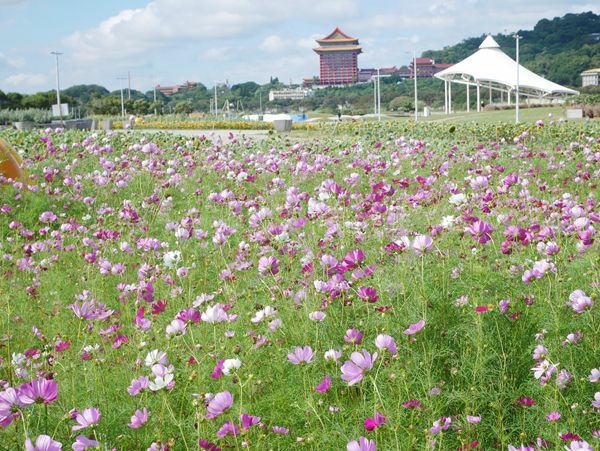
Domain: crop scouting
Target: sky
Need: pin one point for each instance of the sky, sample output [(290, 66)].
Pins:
[(141, 43)]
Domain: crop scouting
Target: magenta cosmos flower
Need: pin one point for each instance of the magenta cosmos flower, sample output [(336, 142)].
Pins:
[(301, 355), (368, 294), (89, 417), (38, 390), (219, 404), (43, 443), (414, 328), (353, 370), (362, 444), (324, 385)]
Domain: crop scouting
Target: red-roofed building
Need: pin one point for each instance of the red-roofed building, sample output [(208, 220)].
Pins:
[(426, 67), (338, 58)]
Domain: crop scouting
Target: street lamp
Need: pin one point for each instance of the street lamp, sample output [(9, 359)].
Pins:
[(377, 94), (122, 100), (517, 38), (415, 77), (58, 86)]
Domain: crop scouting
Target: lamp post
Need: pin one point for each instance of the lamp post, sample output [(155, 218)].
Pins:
[(415, 77), (58, 86), (517, 38), (122, 100)]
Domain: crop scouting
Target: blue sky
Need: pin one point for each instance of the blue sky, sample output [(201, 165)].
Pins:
[(170, 41)]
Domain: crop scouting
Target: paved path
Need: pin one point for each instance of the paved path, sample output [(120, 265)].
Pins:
[(213, 135)]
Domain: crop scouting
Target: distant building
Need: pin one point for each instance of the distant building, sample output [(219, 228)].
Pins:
[(590, 77), (338, 58), (426, 67), (289, 94), (170, 90), (365, 75)]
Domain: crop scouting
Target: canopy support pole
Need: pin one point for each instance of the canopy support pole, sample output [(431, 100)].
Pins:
[(449, 98), (468, 99), (478, 98), (445, 96)]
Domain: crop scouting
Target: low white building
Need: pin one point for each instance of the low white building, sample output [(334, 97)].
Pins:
[(590, 77), (289, 94)]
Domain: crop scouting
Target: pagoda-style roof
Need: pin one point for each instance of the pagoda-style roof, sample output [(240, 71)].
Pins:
[(338, 41), (337, 36), (339, 48)]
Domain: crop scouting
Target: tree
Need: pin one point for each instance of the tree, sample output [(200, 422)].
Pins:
[(183, 108), (141, 106)]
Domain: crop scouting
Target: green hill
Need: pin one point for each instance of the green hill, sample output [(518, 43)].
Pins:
[(558, 49)]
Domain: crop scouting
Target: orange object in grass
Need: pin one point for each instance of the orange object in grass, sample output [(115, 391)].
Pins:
[(10, 162)]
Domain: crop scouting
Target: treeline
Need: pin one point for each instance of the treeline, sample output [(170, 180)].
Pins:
[(558, 49)]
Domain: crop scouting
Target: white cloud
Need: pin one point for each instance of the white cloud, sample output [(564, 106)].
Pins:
[(26, 80), (11, 62), (168, 23), (216, 53), (273, 44)]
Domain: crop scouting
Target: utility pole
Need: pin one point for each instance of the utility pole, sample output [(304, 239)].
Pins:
[(122, 101), (58, 87)]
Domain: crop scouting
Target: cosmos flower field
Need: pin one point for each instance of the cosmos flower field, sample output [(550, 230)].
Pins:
[(365, 287)]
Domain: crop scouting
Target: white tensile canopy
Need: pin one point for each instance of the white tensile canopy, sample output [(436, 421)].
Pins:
[(491, 68)]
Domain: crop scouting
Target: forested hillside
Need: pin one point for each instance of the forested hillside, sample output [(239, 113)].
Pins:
[(558, 49)]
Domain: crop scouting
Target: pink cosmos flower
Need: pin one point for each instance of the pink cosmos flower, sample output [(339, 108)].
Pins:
[(422, 244), (353, 336), (219, 404), (43, 443), (47, 216), (362, 444), (440, 425), (385, 342), (594, 375), (414, 328), (82, 443), (137, 385), (473, 419), (229, 428), (248, 420), (553, 416), (280, 430), (268, 265), (89, 417), (38, 390), (353, 370), (324, 385), (579, 302), (301, 355), (9, 406), (596, 401), (481, 231), (139, 418)]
